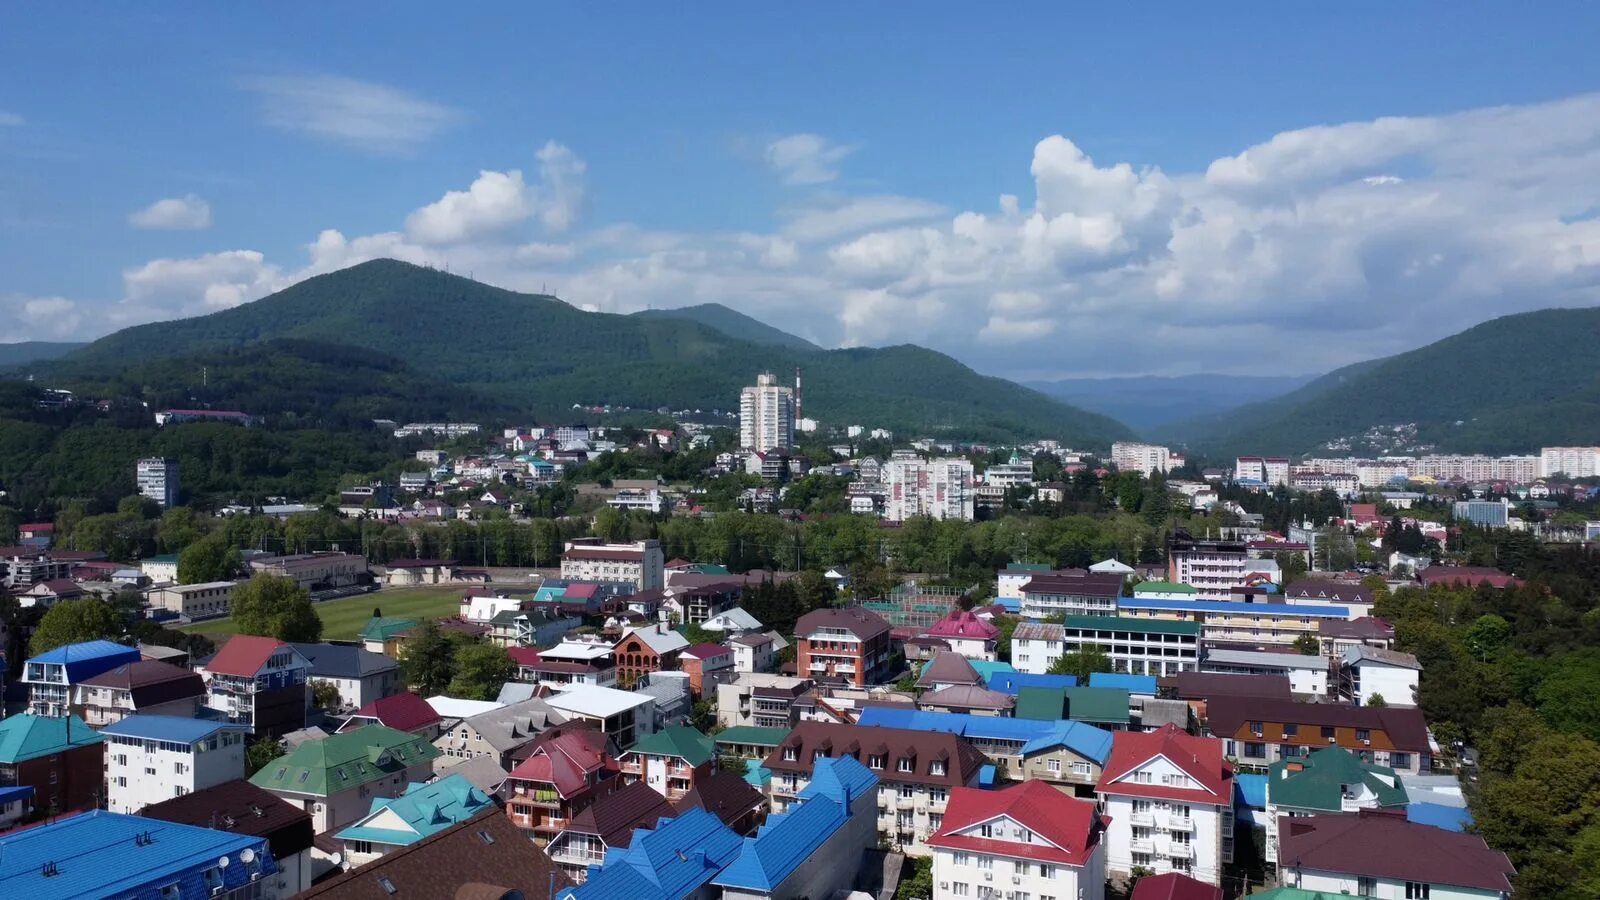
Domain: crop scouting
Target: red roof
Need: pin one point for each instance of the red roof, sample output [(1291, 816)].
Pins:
[(1382, 844), (243, 655), (567, 761), (963, 624), (1199, 757), (706, 651), (37, 527), (1069, 827), (582, 591), (523, 656), (1174, 886), (1467, 576), (402, 712)]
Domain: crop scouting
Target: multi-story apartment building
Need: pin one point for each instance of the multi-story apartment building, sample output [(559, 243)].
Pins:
[(565, 773), (672, 761), (1573, 462), (260, 682), (1170, 798), (157, 478), (1028, 840), (766, 415), (52, 676), (941, 488), (706, 665), (315, 571), (760, 699), (605, 824), (194, 601), (621, 715), (239, 807), (148, 687), (1132, 456), (916, 772), (1066, 753), (1306, 674), (1138, 646), (1330, 781), (639, 563), (334, 778), (150, 759), (1366, 672), (1071, 592), (59, 757), (1258, 732), (1271, 471), (753, 652), (1224, 621), (496, 733), (849, 646), (1487, 513), (1213, 567)]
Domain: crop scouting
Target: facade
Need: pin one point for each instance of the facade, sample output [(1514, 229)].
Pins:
[(639, 563), (1146, 459), (239, 807), (1258, 732), (194, 601), (760, 699), (150, 759), (563, 776), (1026, 840), (1226, 621), (147, 686), (1367, 672), (315, 571), (423, 810), (1169, 795), (1573, 462), (360, 676), (157, 478), (1136, 646), (1380, 854), (1213, 567), (766, 415), (1307, 674), (334, 778), (1330, 781), (51, 677), (1484, 513), (706, 665), (622, 716), (260, 682), (497, 732), (1355, 599), (671, 761), (753, 653), (1071, 593), (607, 823), (848, 646), (651, 648), (1065, 753), (59, 757), (548, 670), (966, 634), (940, 488)]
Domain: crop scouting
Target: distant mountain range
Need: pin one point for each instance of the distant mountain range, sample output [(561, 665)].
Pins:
[(1147, 403), (468, 349), (24, 352)]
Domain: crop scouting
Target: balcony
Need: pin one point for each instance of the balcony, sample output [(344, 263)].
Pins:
[(1142, 846), (1180, 851), (1180, 823), (905, 802), (1141, 818)]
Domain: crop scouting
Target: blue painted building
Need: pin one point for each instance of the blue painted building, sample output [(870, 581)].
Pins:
[(676, 860), (1012, 682), (1137, 685), (1062, 750), (50, 676)]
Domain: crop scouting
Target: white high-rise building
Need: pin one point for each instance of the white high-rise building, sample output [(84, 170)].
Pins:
[(941, 488), (1131, 456), (1573, 462), (766, 415), (158, 479), (154, 758)]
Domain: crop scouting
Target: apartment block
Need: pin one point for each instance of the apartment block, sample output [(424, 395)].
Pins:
[(1136, 646), (1169, 795), (151, 759), (941, 488)]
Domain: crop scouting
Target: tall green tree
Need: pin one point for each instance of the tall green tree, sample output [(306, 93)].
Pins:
[(208, 559), (74, 621), (481, 670), (428, 660), (258, 754), (1082, 663), (276, 607)]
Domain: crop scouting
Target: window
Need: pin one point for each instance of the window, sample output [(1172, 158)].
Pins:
[(936, 767), (486, 837), (986, 862), (1143, 859), (360, 846), (875, 761), (1400, 760), (1254, 750), (1143, 778), (1256, 729), (1046, 871), (213, 879), (906, 764), (790, 754), (907, 792), (1081, 768), (986, 830), (819, 754), (1366, 887), (1416, 890), (1054, 766), (938, 795), (1363, 735), (959, 888), (1328, 733), (961, 858), (1290, 731), (1024, 835), (171, 891), (386, 884)]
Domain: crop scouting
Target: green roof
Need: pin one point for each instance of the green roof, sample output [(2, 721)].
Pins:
[(1048, 704), (1097, 704), (162, 558), (681, 741), (1293, 893), (750, 735), (382, 628), (345, 760), (24, 737), (1163, 587), (1027, 567), (1320, 784), (1126, 623)]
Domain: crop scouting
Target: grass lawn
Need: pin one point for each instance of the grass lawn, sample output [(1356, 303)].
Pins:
[(342, 619)]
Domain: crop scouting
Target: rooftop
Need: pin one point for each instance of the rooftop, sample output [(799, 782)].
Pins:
[(1069, 827), (790, 838), (174, 729), (344, 761), (240, 807), (1321, 780), (594, 700), (679, 741), (24, 737), (1385, 845), (675, 860), (1034, 734), (244, 655), (1199, 757), (422, 811), (344, 660)]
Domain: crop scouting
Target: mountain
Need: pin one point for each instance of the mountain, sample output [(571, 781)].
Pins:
[(732, 323), (1509, 385), (1149, 402), (24, 352), (543, 356)]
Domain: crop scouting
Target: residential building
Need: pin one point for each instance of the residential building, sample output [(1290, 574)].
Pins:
[(1198, 689), (496, 733), (1308, 675), (650, 648), (239, 807), (1146, 459), (1164, 590), (564, 775), (706, 665), (1355, 599), (639, 563), (760, 699), (157, 479), (1485, 513), (1573, 462), (46, 594), (360, 676), (532, 627), (52, 676), (677, 859), (1138, 646), (1379, 854), (1009, 582), (1330, 781), (696, 604), (732, 621), (1063, 752), (948, 669), (766, 415), (966, 634), (1257, 732), (748, 741), (423, 810), (149, 759), (1026, 840), (916, 771), (1237, 622), (16, 804), (753, 652), (315, 571), (60, 757), (1169, 795), (941, 488), (968, 699), (848, 646), (147, 686), (333, 778), (1367, 672), (1339, 636), (161, 569), (608, 823), (671, 761), (1213, 567), (1071, 593), (404, 711), (107, 854), (260, 682), (194, 601), (623, 716), (1110, 708), (547, 669), (386, 634), (1467, 576)]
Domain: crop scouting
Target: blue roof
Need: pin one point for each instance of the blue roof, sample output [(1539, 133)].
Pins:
[(676, 859), (1011, 604), (986, 775), (987, 668), (1250, 790), (1034, 734), (426, 809), (177, 729), (89, 658), (1234, 606), (95, 855), (1454, 818), (790, 838), (1011, 682), (1133, 684), (9, 794)]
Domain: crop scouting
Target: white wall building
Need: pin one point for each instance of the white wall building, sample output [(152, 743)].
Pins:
[(1365, 672), (1132, 456), (1306, 674), (1573, 462), (1028, 840), (157, 478), (154, 758), (640, 563), (766, 415), (1170, 798), (941, 488)]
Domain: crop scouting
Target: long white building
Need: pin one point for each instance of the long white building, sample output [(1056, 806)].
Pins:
[(766, 415), (1132, 456), (154, 758), (1573, 462), (941, 488)]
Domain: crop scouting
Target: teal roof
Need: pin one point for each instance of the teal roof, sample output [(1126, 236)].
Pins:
[(987, 669), (789, 838), (24, 737), (750, 735), (382, 628), (757, 776), (423, 810), (344, 761), (681, 741), (1099, 705), (1320, 782)]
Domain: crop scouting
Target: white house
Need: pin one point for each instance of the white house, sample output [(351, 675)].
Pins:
[(1380, 854), (753, 653), (732, 621), (1170, 798), (154, 758), (1366, 672), (1306, 674), (1029, 840), (359, 675)]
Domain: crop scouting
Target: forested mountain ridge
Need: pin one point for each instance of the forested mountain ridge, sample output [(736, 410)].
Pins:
[(24, 352), (732, 323)]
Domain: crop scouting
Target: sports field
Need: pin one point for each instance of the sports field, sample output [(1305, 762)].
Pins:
[(342, 619)]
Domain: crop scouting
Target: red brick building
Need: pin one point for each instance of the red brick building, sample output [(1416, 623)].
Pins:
[(60, 757), (651, 648), (842, 646), (703, 662)]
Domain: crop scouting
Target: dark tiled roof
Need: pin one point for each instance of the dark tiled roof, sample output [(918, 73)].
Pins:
[(1386, 845), (1174, 886), (343, 660), (863, 623), (242, 808), (724, 795), (1405, 726), (949, 667), (614, 817), (1208, 686), (1365, 628), (1089, 584), (961, 759), (151, 682), (1331, 591)]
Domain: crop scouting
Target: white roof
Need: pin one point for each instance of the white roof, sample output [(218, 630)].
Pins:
[(1265, 660), (736, 619), (1112, 565), (659, 638), (202, 586), (594, 700), (579, 651), (455, 708)]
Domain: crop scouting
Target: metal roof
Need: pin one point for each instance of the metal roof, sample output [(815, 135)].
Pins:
[(176, 729)]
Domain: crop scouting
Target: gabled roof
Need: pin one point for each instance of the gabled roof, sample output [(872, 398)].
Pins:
[(1330, 591), (1133, 684), (509, 727), (1035, 735), (948, 667), (344, 761), (88, 658), (1198, 757), (244, 655), (404, 711), (962, 624), (1385, 845), (343, 660), (569, 761), (614, 817), (175, 729), (675, 860), (425, 809), (967, 696), (150, 682), (1068, 828), (863, 623), (736, 618), (1405, 726), (240, 807), (382, 628), (1177, 886), (751, 735), (658, 639), (706, 651), (24, 737), (920, 748), (1083, 584), (679, 741), (1320, 781), (790, 838), (723, 794), (1364, 628)]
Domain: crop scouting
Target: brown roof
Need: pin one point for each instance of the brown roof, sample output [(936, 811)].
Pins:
[(151, 682), (968, 696), (479, 856), (242, 808), (614, 817), (724, 795), (596, 553), (1382, 844), (863, 623), (1207, 685), (948, 667), (1365, 628), (1089, 584), (1331, 591), (961, 759), (1405, 726)]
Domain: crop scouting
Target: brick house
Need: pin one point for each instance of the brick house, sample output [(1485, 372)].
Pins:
[(60, 757), (848, 646), (650, 648), (707, 664)]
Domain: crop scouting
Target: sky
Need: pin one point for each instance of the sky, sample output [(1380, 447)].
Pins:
[(1039, 190)]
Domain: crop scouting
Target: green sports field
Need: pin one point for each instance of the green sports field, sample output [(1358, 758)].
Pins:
[(342, 619)]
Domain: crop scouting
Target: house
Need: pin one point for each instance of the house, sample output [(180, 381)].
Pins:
[(60, 757), (531, 627), (1009, 582), (404, 711), (146, 686), (482, 858), (671, 760), (1063, 752), (752, 652), (1029, 838), (48, 593), (1072, 592), (948, 669), (51, 676), (695, 604), (916, 771), (260, 682), (107, 854), (639, 563), (359, 675), (161, 569), (1107, 707), (205, 600), (1380, 854), (547, 669), (706, 665), (1170, 798), (849, 646), (1136, 646), (651, 648), (727, 796), (496, 733), (1308, 675), (385, 634), (1367, 672), (239, 807), (1175, 886), (334, 777), (623, 716), (808, 851), (678, 859), (610, 822), (1337, 636), (669, 694), (1319, 592), (966, 634), (748, 741), (16, 804), (732, 621), (968, 698), (566, 773), (760, 699), (1328, 782), (150, 758), (423, 810), (1259, 732)]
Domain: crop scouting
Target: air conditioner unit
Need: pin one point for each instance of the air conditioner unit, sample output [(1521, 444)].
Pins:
[(1367, 743), (1332, 740), (988, 876), (944, 885), (1016, 879)]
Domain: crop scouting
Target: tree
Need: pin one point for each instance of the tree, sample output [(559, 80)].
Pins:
[(258, 754), (177, 529), (1082, 663), (704, 714), (74, 621), (1002, 643), (1377, 700), (481, 670), (428, 661), (918, 882), (209, 559), (270, 606), (738, 765), (1487, 634), (1308, 645), (324, 694)]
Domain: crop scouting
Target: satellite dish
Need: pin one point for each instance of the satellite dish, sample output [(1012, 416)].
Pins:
[(222, 863), (247, 856)]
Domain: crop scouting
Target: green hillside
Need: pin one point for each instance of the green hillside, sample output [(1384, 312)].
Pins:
[(1509, 385), (24, 352), (543, 356), (732, 323)]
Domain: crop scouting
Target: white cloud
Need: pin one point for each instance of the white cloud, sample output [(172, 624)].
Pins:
[(186, 213), (826, 220), (806, 158), (10, 119), (361, 114), (45, 317), (562, 196), (497, 202)]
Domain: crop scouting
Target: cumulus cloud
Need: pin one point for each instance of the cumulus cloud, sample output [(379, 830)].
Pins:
[(45, 317), (360, 114), (806, 158), (186, 213), (497, 202)]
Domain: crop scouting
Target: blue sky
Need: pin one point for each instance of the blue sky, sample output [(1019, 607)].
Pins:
[(836, 170)]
